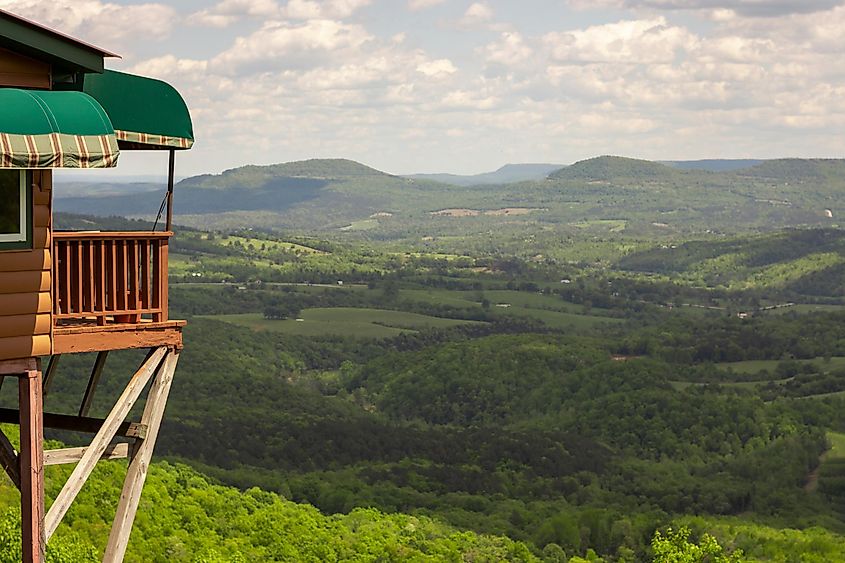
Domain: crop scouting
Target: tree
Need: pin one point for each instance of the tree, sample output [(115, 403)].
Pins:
[(675, 547)]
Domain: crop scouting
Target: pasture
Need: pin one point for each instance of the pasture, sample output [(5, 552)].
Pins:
[(343, 321)]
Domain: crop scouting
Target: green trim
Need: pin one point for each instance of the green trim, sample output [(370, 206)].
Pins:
[(29, 38), (24, 244)]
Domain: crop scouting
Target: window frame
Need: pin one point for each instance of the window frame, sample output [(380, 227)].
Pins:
[(21, 240)]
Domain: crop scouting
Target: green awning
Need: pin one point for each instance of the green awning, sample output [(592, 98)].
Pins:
[(41, 129), (146, 113)]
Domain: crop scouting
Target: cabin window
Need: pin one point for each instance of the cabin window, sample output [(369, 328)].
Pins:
[(15, 210)]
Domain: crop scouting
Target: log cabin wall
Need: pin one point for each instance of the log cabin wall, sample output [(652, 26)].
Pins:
[(18, 71), (26, 280)]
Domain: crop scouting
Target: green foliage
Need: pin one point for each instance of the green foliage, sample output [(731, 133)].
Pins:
[(675, 547), (65, 548), (184, 517)]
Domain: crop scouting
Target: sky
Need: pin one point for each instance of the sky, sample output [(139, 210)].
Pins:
[(462, 86)]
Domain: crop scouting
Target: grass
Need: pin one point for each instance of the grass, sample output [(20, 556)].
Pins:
[(365, 225), (806, 308), (343, 321), (756, 366), (269, 245), (556, 319), (837, 445), (682, 385), (552, 311)]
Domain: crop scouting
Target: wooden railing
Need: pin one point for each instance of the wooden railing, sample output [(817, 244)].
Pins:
[(118, 277)]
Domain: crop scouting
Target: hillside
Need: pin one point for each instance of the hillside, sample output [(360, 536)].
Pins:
[(506, 174), (196, 520), (808, 262), (605, 197), (713, 164), (610, 168)]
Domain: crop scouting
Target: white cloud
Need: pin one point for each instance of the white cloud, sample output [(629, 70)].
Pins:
[(477, 13), (328, 9), (634, 42), (438, 67), (99, 22), (168, 67), (279, 45), (509, 50), (750, 8), (228, 12), (415, 5)]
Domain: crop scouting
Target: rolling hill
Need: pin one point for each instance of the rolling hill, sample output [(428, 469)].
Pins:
[(607, 195), (506, 174)]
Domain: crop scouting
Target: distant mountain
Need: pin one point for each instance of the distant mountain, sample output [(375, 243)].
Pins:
[(607, 168), (713, 164), (507, 174), (254, 176), (797, 169), (604, 195)]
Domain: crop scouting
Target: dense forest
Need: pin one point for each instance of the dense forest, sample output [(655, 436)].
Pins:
[(492, 407)]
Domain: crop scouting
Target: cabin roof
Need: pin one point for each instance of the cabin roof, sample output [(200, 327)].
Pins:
[(65, 53)]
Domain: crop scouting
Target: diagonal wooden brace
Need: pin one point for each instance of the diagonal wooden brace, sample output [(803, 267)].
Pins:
[(141, 455), (9, 460), (101, 441)]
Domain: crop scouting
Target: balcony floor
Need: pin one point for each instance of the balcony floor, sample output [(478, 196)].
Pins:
[(71, 337)]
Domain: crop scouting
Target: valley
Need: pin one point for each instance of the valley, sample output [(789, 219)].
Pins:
[(572, 397)]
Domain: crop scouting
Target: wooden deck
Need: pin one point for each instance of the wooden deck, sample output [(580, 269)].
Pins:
[(110, 292), (89, 336)]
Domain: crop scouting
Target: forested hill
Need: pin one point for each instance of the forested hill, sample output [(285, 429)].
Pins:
[(605, 195), (195, 520), (609, 168), (504, 175)]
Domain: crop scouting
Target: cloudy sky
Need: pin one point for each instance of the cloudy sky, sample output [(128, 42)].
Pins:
[(463, 86)]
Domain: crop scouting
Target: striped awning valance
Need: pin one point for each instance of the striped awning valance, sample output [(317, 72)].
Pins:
[(41, 129)]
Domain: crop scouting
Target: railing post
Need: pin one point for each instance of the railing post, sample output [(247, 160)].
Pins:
[(163, 280), (122, 274)]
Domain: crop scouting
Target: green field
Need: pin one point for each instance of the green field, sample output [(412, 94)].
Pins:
[(804, 308), (756, 366), (343, 321), (268, 245)]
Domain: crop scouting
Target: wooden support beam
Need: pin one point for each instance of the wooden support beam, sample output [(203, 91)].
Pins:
[(142, 454), (101, 441), (33, 536), (96, 372), (9, 460), (17, 367), (73, 455), (50, 374), (78, 424)]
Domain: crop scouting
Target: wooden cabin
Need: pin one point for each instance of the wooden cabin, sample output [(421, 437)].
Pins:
[(71, 292)]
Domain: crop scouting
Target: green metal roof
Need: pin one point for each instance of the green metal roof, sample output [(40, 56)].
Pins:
[(64, 52), (146, 113), (43, 129)]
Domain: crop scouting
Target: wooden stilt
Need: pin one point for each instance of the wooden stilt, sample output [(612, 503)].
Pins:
[(96, 372), (32, 467), (140, 460), (101, 441)]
